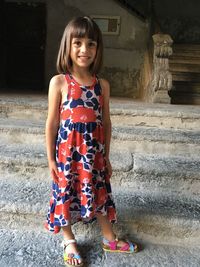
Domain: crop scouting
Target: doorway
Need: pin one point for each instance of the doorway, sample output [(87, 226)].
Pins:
[(23, 39)]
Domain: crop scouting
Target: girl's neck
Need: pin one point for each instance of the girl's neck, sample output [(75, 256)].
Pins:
[(83, 76)]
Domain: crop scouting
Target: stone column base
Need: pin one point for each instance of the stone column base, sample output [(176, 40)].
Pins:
[(161, 96)]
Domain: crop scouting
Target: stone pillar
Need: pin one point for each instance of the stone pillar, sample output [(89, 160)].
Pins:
[(161, 81)]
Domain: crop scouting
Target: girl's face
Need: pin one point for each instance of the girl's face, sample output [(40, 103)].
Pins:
[(83, 52)]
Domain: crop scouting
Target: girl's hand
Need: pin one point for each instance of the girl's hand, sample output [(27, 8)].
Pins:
[(54, 171), (108, 167)]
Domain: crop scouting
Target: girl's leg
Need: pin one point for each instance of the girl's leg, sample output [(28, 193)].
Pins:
[(71, 248), (67, 232), (106, 227), (108, 233)]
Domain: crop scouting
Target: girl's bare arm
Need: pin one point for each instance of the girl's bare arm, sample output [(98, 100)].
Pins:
[(106, 116), (52, 122)]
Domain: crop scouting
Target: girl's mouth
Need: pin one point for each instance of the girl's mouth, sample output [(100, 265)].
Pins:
[(84, 57)]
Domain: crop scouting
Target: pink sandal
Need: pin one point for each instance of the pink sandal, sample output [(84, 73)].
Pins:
[(112, 246)]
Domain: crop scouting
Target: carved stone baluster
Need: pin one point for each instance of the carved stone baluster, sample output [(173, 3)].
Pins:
[(161, 81)]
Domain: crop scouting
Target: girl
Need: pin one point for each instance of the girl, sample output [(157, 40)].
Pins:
[(78, 132)]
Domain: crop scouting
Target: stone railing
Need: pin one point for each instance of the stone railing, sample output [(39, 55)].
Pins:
[(161, 79)]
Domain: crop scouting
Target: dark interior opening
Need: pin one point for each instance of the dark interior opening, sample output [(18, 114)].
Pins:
[(22, 46)]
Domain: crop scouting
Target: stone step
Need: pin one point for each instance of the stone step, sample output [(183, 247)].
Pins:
[(161, 148), (184, 59), (19, 158), (148, 173), (189, 67), (33, 107), (155, 135), (12, 131), (31, 248), (23, 205), (144, 171), (134, 113), (158, 187), (151, 141), (185, 76), (167, 116), (32, 197), (186, 49)]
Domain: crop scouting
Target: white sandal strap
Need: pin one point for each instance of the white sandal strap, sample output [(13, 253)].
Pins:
[(65, 243)]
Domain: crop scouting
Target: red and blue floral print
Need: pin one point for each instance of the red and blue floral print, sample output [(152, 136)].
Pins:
[(84, 185)]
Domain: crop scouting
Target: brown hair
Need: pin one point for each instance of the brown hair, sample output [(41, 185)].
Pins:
[(79, 27)]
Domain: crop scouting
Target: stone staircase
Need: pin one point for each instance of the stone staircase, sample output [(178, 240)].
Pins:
[(155, 153), (185, 67)]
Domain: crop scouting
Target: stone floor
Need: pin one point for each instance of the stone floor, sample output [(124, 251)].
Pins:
[(31, 248)]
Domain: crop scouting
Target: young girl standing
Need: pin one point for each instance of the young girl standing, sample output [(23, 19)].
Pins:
[(78, 132)]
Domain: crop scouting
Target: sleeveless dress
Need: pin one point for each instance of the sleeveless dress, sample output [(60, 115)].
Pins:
[(84, 185)]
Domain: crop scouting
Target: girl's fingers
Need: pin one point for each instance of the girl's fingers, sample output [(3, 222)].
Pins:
[(54, 171), (54, 175), (109, 170)]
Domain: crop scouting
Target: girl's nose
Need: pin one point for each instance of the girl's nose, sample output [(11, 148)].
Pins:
[(83, 47)]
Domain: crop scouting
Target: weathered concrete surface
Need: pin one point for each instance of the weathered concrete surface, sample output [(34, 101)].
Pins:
[(33, 197), (24, 202), (43, 249), (137, 139), (150, 228), (179, 167), (158, 147), (34, 155), (162, 175), (167, 256), (136, 171), (127, 132), (123, 111), (153, 134), (155, 174)]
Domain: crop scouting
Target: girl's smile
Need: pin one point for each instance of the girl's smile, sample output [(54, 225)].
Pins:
[(83, 51)]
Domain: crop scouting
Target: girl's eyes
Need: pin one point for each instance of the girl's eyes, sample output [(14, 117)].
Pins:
[(77, 43), (90, 44)]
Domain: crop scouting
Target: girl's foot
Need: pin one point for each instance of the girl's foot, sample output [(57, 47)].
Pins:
[(119, 246), (71, 254)]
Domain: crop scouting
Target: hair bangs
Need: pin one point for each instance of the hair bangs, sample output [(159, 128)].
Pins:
[(84, 28)]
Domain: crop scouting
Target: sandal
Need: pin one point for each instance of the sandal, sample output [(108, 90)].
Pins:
[(70, 256), (112, 246)]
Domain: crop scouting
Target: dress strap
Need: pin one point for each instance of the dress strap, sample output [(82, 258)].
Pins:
[(68, 78)]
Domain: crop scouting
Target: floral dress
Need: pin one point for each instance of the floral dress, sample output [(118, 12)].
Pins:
[(84, 185)]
